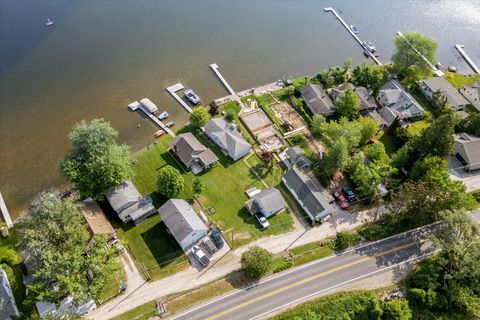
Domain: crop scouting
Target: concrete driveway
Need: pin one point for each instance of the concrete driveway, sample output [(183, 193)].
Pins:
[(471, 179)]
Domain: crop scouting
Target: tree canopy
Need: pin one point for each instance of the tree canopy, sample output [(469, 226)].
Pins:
[(198, 185), (256, 262), (348, 105), (470, 125), (369, 76), (53, 239), (170, 182), (96, 163), (407, 49), (199, 117)]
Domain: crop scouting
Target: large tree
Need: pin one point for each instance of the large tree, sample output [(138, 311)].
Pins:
[(439, 103), (408, 49), (348, 105), (199, 117), (53, 239), (470, 125), (256, 262), (369, 127), (170, 182), (435, 140), (369, 76), (450, 281), (96, 163)]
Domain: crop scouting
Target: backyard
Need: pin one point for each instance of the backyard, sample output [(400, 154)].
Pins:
[(417, 126), (223, 202)]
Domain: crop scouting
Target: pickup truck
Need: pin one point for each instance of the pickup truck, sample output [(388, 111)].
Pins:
[(200, 255)]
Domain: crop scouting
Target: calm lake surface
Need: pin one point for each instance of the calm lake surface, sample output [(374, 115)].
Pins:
[(101, 55)]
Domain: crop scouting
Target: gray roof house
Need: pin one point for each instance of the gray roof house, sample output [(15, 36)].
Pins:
[(296, 156), (192, 153), (268, 202), (8, 306), (67, 306), (129, 204), (468, 148), (429, 86), (183, 222), (367, 101), (472, 94), (394, 97), (226, 136), (307, 195), (317, 100)]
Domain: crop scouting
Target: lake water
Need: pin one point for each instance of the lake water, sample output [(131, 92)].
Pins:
[(101, 55)]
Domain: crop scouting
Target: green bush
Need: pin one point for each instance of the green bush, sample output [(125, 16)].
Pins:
[(9, 257), (345, 240), (12, 279), (397, 309), (281, 264), (231, 115), (256, 262)]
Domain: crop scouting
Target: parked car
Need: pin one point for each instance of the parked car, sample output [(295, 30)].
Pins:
[(217, 238), (262, 220), (348, 193), (209, 245), (341, 201), (118, 246), (200, 255)]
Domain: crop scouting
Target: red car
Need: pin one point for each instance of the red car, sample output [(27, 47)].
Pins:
[(341, 201)]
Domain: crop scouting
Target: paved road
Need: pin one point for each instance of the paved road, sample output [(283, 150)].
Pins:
[(310, 280)]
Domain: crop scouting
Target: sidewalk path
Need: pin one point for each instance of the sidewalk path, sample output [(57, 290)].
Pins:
[(143, 292)]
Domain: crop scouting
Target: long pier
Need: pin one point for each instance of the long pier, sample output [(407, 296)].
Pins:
[(465, 56), (173, 91), (436, 71), (330, 9), (137, 105), (4, 214), (214, 67)]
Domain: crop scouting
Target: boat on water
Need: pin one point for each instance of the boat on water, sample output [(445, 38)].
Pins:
[(369, 46), (354, 29), (49, 23), (163, 115), (159, 133), (192, 96), (170, 124)]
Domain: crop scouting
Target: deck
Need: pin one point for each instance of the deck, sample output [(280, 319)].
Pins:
[(330, 9), (214, 67), (173, 91), (465, 56)]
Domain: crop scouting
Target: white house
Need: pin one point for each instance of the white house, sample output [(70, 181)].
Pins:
[(431, 85), (472, 94), (183, 222), (227, 137), (396, 101)]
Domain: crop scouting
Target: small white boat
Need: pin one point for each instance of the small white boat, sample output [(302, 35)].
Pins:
[(163, 115), (170, 124), (49, 23), (354, 29)]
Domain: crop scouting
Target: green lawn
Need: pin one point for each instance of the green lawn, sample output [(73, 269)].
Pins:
[(458, 79), (388, 142), (223, 198), (417, 126), (152, 247)]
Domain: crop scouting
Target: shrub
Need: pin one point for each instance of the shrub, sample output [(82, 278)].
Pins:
[(397, 309), (12, 279), (256, 262), (231, 115), (9, 257), (281, 264), (345, 240)]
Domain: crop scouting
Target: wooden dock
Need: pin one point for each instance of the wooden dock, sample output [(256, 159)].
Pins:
[(465, 56), (436, 71), (4, 214), (155, 120), (214, 67), (330, 9), (173, 91)]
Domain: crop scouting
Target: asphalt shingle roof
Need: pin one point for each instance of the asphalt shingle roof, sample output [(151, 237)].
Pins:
[(317, 99)]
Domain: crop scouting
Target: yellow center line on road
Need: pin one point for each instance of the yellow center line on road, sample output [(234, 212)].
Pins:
[(296, 284)]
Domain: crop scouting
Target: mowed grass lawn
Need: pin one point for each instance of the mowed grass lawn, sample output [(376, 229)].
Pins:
[(417, 126), (223, 199)]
